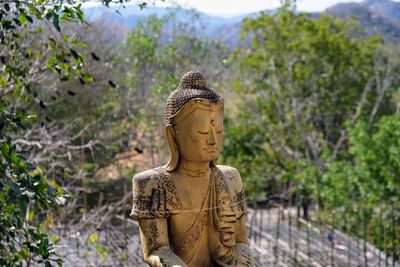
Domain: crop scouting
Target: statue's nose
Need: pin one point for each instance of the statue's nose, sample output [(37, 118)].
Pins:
[(211, 140)]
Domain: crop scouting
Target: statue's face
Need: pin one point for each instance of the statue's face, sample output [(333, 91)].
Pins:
[(199, 136)]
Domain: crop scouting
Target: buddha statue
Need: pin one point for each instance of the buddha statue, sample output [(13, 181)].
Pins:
[(191, 212)]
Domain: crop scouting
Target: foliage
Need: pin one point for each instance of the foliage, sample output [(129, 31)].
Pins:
[(316, 117), (305, 78), (26, 63), (23, 191), (368, 185)]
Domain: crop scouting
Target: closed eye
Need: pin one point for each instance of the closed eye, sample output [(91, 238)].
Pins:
[(201, 132), (220, 132)]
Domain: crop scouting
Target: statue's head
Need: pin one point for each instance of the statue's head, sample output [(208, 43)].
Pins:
[(194, 122)]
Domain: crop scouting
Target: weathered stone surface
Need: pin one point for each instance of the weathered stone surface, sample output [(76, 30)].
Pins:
[(191, 211)]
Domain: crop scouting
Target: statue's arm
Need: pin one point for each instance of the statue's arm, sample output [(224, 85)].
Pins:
[(155, 243), (241, 249)]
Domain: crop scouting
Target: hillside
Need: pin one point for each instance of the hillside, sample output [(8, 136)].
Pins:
[(375, 16), (128, 17)]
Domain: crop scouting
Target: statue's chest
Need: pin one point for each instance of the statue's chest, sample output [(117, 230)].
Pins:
[(193, 194), (190, 220), (188, 228)]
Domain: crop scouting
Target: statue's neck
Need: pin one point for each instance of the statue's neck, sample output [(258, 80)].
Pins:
[(194, 169)]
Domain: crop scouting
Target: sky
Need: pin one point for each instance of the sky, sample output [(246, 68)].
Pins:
[(227, 8), (238, 7)]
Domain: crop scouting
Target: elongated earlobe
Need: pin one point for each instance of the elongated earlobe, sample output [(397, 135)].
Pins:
[(169, 132)]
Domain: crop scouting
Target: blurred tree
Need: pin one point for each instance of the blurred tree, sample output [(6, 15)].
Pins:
[(23, 189), (301, 82), (367, 185), (318, 120)]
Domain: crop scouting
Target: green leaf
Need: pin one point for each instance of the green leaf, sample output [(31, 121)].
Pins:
[(23, 19), (83, 44), (80, 15), (56, 21), (75, 41), (53, 43), (75, 54), (7, 24), (22, 203), (66, 38), (143, 5), (29, 18), (5, 150), (7, 7), (48, 15), (14, 158), (17, 22), (87, 77), (31, 215)]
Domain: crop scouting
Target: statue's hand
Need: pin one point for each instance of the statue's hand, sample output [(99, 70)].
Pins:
[(227, 227)]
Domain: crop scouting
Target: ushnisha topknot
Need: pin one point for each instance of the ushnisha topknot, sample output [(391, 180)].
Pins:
[(192, 85)]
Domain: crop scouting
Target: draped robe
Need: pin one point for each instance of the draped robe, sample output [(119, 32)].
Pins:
[(194, 233)]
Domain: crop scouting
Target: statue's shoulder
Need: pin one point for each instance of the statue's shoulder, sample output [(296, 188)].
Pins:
[(146, 175), (232, 177), (154, 195), (143, 183), (234, 182)]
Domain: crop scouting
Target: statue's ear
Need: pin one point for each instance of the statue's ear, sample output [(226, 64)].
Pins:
[(173, 148)]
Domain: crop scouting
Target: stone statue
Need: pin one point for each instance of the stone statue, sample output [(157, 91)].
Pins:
[(191, 211)]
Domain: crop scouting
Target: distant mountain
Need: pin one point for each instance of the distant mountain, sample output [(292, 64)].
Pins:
[(96, 12), (385, 8), (130, 15), (127, 17), (375, 16)]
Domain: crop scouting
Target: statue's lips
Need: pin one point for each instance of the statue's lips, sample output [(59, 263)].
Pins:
[(211, 150)]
